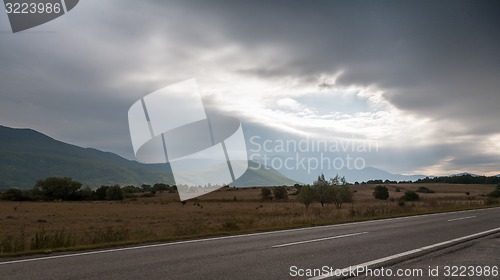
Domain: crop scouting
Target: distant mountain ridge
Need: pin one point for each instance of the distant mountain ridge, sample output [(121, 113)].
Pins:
[(352, 175), (464, 174), (28, 155)]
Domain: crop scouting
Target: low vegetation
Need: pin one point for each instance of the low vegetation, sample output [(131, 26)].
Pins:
[(118, 215), (424, 190), (66, 189), (495, 193)]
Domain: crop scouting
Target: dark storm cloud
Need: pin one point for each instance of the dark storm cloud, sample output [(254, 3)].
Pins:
[(439, 59), (434, 59), (75, 82)]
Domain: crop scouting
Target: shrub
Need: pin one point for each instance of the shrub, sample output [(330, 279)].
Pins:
[(265, 194), (280, 193), (381, 192), (491, 201), (495, 193), (424, 190), (410, 196)]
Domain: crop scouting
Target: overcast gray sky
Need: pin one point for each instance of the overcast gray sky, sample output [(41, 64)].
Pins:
[(420, 78)]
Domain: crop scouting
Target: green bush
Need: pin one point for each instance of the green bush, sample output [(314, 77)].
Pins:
[(495, 193), (424, 190), (265, 194), (114, 193), (381, 192), (410, 196), (280, 193)]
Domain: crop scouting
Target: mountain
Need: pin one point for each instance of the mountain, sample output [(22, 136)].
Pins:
[(464, 174), (372, 173), (27, 155), (258, 175)]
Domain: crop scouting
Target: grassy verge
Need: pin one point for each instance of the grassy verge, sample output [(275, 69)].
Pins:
[(198, 220)]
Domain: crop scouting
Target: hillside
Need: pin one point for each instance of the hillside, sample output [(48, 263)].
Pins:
[(27, 155)]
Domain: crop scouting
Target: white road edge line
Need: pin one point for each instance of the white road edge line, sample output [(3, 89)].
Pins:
[(463, 218), (235, 236), (319, 239), (345, 271)]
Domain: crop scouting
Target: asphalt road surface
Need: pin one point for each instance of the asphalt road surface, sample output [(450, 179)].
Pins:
[(290, 254)]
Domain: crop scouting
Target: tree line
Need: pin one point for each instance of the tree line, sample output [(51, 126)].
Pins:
[(65, 188), (462, 179), (459, 179)]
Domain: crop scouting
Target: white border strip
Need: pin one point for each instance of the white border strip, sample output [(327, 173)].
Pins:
[(319, 239), (346, 270), (463, 218)]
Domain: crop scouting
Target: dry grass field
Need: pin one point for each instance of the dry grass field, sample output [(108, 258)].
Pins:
[(46, 226)]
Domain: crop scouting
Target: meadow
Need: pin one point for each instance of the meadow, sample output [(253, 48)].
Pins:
[(44, 227)]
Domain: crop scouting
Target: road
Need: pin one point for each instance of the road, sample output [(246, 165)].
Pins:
[(270, 255)]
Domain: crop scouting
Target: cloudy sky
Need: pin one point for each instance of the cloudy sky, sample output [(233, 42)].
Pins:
[(419, 78)]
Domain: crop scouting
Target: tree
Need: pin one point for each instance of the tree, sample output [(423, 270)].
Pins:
[(343, 181), (265, 194), (100, 193), (342, 195), (324, 190), (306, 195), (131, 189), (146, 187), (333, 191), (85, 194), (58, 188), (280, 193), (160, 187), (334, 181), (381, 192), (17, 195), (114, 193)]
